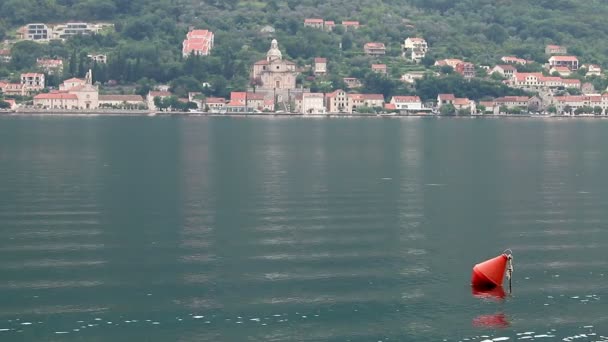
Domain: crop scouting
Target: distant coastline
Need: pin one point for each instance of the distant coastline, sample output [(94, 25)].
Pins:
[(144, 113)]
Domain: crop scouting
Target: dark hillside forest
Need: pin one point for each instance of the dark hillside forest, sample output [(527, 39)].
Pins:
[(145, 47)]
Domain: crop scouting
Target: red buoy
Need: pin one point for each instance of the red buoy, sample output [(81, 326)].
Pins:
[(490, 273), (494, 293)]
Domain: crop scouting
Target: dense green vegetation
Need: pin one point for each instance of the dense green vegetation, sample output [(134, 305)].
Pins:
[(146, 46)]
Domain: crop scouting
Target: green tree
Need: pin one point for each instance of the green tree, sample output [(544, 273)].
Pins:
[(4, 105), (347, 41), (24, 54), (597, 110), (447, 109)]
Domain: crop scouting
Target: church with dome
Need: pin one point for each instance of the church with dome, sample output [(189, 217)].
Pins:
[(274, 74)]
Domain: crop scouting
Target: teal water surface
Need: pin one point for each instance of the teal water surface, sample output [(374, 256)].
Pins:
[(253, 229)]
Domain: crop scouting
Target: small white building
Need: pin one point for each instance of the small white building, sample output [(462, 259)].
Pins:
[(32, 81), (98, 58), (407, 103), (313, 103), (320, 66)]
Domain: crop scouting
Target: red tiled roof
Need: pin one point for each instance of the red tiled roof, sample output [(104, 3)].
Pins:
[(390, 106), (215, 100), (32, 74), (160, 93), (578, 98), (312, 95), (564, 58), (406, 99), (238, 96), (313, 21), (512, 99), (49, 62), (570, 81), (236, 103), (374, 45), (378, 66), (506, 67), (363, 97), (320, 60), (523, 75), (56, 96), (350, 23), (74, 80), (462, 101), (255, 96), (444, 97), (199, 34)]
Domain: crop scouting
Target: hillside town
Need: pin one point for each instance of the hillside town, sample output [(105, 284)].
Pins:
[(556, 88)]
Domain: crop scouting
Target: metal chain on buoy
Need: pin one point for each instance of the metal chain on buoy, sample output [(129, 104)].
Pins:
[(509, 266)]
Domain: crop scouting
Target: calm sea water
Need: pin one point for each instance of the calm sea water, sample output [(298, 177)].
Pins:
[(236, 229)]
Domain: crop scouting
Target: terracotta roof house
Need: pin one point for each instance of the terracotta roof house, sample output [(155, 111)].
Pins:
[(374, 49), (571, 62)]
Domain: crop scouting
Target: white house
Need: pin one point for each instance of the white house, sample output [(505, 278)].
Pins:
[(313, 103), (407, 103)]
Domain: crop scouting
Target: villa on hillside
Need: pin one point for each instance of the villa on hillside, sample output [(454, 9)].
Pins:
[(5, 56), (314, 23), (467, 70), (352, 82), (451, 62), (513, 60), (380, 68), (32, 82), (43, 32), (415, 48), (592, 69), (198, 42), (350, 25), (50, 66), (571, 62), (320, 67), (505, 70), (374, 49), (555, 50)]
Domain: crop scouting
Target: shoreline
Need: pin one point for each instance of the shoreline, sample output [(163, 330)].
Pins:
[(98, 113)]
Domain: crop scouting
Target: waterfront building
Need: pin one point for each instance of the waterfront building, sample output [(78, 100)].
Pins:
[(121, 101), (275, 77), (339, 102), (74, 93), (406, 103)]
